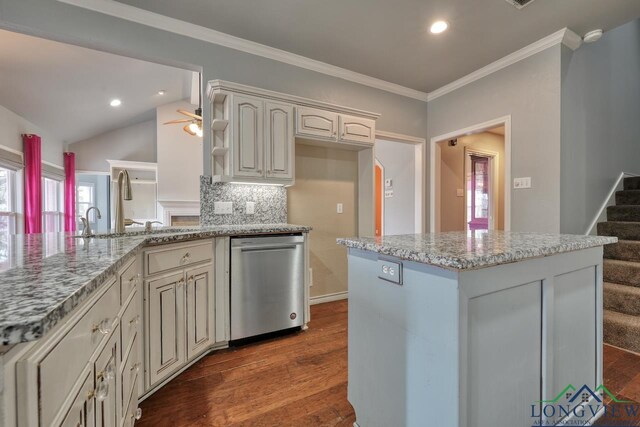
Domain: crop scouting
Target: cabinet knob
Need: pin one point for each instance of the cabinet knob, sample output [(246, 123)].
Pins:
[(104, 327), (185, 258), (135, 320), (190, 279), (102, 392), (180, 282)]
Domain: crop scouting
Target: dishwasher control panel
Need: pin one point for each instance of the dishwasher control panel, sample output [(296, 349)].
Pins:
[(390, 271)]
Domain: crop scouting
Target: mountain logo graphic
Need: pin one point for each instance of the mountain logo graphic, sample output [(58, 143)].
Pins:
[(584, 394)]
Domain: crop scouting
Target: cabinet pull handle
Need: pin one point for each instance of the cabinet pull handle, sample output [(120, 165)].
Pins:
[(104, 327)]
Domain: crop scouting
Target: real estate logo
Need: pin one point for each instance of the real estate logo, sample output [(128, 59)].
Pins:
[(578, 406)]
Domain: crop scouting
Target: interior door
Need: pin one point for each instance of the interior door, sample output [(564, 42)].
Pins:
[(479, 203), (200, 310), (279, 140), (248, 135), (165, 323)]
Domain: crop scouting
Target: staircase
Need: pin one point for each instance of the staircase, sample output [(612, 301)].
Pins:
[(622, 269)]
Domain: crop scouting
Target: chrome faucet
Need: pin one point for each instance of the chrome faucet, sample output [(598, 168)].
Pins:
[(86, 230), (148, 226), (123, 192)]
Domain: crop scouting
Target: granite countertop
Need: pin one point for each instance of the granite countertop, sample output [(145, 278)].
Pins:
[(43, 277), (462, 251)]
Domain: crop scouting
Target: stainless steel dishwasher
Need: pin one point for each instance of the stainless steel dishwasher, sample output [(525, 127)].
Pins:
[(267, 284)]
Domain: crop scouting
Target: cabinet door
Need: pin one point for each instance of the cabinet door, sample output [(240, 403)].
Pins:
[(279, 140), (314, 123), (107, 384), (200, 310), (82, 411), (166, 326), (357, 129), (248, 132)]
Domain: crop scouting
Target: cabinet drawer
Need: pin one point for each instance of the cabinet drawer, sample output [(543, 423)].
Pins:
[(61, 366), (130, 324), (129, 279), (161, 260), (315, 123), (130, 372)]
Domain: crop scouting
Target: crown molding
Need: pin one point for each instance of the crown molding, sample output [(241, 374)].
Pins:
[(565, 36), (155, 20)]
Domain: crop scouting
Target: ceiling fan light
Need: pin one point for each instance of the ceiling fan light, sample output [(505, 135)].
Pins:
[(193, 127), (199, 133)]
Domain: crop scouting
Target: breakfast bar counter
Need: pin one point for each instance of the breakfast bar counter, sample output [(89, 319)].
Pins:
[(479, 329)]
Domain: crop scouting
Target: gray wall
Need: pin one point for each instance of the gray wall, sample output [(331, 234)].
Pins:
[(72, 24), (399, 164), (529, 91), (134, 143), (600, 122)]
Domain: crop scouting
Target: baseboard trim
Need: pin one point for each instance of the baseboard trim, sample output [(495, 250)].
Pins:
[(328, 298)]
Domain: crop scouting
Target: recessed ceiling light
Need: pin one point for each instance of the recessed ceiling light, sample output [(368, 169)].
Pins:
[(162, 92), (439, 27), (115, 102), (592, 36)]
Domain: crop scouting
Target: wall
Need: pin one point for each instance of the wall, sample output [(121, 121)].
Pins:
[(529, 91), (600, 122), (398, 160), (134, 143), (179, 156), (270, 203), (12, 126), (324, 178), (81, 26), (452, 178)]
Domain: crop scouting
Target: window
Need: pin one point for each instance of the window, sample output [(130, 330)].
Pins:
[(8, 213), (85, 198), (52, 211)]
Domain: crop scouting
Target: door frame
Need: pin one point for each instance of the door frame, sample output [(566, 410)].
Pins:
[(378, 164), (434, 159), (420, 151), (494, 165)]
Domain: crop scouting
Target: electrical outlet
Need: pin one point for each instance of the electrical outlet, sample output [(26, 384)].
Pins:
[(251, 208), (222, 208), (519, 183), (339, 208)]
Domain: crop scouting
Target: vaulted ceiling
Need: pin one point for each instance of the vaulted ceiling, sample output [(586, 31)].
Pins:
[(390, 39)]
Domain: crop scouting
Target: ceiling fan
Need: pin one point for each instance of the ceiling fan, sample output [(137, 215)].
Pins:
[(194, 121)]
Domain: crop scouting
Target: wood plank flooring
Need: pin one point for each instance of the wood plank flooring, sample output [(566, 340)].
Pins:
[(301, 380), (297, 380)]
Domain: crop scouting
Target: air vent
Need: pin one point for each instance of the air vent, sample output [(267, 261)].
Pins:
[(519, 3)]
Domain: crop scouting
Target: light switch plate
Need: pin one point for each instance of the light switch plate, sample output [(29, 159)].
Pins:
[(519, 183), (390, 271), (222, 208), (251, 208), (339, 208), (388, 183)]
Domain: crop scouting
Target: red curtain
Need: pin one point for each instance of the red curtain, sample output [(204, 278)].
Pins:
[(69, 192), (32, 184)]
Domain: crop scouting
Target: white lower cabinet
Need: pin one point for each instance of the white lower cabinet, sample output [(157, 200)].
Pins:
[(107, 390), (180, 307)]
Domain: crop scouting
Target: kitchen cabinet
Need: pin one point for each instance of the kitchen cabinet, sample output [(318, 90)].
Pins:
[(279, 140), (200, 310), (248, 137), (107, 383), (357, 130), (81, 412), (166, 326), (315, 123)]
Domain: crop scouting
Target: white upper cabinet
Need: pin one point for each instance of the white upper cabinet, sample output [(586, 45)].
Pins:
[(279, 140), (314, 123), (357, 129), (248, 145)]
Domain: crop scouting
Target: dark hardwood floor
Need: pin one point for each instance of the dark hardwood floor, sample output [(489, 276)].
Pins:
[(297, 380), (301, 380)]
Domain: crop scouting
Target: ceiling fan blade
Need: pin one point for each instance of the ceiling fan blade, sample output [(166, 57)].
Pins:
[(187, 113), (187, 130), (177, 121)]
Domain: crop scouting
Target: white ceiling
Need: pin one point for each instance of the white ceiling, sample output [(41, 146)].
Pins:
[(66, 89), (389, 39)]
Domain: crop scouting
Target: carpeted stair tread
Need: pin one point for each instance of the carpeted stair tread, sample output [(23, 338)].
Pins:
[(623, 272), (631, 183), (622, 330), (625, 250), (622, 298), (628, 197), (630, 213), (620, 229)]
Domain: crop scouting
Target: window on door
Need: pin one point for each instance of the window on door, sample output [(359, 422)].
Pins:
[(52, 211), (478, 194)]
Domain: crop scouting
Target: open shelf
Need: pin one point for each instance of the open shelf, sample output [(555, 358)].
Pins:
[(219, 124), (219, 151)]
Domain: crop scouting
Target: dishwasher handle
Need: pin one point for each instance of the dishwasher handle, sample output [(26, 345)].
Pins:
[(266, 248)]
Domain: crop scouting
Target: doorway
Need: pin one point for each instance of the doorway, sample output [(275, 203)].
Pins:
[(379, 202), (470, 176)]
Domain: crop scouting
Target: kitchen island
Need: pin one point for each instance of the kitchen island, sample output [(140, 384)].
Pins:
[(483, 329)]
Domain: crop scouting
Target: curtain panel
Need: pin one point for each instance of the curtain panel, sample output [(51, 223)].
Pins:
[(69, 192), (32, 184)]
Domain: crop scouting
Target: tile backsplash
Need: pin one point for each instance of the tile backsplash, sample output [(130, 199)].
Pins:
[(270, 203)]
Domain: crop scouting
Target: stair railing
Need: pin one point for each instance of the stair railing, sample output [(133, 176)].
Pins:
[(606, 201)]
